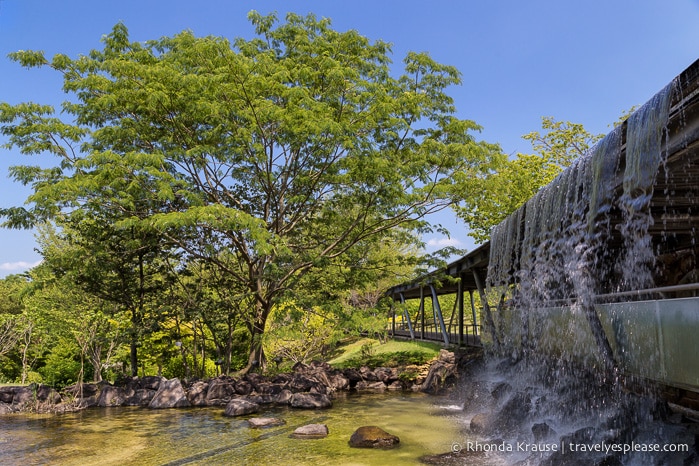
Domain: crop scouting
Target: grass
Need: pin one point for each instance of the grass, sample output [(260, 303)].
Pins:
[(369, 352)]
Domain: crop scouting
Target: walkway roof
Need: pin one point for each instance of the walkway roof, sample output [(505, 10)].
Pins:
[(461, 268)]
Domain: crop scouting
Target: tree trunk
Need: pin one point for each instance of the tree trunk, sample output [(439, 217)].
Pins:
[(96, 361), (257, 360), (134, 356), (25, 352)]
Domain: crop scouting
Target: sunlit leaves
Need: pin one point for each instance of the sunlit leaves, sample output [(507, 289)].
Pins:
[(284, 152)]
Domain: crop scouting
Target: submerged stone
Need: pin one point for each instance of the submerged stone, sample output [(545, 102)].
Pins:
[(311, 431), (542, 431), (263, 422), (480, 423)]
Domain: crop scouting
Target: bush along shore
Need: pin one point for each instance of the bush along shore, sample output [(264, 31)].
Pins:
[(309, 386)]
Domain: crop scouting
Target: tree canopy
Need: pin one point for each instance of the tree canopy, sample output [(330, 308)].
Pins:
[(264, 158)]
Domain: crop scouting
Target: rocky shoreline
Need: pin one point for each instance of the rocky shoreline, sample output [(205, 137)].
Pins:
[(309, 386)]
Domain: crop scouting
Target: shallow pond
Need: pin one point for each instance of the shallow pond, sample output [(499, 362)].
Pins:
[(203, 436)]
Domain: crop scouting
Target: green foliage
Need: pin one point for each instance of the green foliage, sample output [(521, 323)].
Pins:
[(562, 142), (61, 365), (10, 370), (408, 375), (367, 350), (300, 335), (488, 201), (35, 377), (176, 367), (285, 152)]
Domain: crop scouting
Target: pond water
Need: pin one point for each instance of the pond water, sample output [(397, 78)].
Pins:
[(203, 436)]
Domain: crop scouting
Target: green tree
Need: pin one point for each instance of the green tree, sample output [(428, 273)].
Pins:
[(488, 201), (73, 323), (12, 321), (285, 150), (121, 269)]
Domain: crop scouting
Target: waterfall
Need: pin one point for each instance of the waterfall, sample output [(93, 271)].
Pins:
[(585, 330)]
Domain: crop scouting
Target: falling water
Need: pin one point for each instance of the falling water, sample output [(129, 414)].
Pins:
[(644, 155), (585, 240)]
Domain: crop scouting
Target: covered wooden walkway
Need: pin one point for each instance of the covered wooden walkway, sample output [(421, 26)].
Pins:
[(460, 323)]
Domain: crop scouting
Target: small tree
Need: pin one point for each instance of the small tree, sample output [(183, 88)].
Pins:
[(488, 201)]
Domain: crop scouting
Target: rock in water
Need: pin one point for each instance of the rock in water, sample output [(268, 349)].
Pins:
[(262, 422), (373, 437), (310, 431), (310, 401), (240, 407)]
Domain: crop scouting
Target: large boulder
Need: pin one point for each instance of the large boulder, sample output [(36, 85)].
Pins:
[(255, 379), (284, 398), (240, 407), (353, 375), (371, 386), (441, 375), (23, 396), (7, 394), (311, 431), (268, 388), (46, 394), (152, 382), (112, 396), (338, 381), (169, 395), (140, 397), (513, 413), (387, 375), (310, 401), (221, 390), (372, 437), (305, 383), (243, 387), (395, 386), (368, 374), (5, 408), (196, 393)]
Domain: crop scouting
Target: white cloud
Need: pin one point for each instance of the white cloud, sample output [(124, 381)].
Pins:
[(443, 242), (19, 266)]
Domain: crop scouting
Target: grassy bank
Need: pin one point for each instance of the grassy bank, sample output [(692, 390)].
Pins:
[(369, 352)]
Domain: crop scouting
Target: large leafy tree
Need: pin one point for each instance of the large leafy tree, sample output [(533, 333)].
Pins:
[(286, 150)]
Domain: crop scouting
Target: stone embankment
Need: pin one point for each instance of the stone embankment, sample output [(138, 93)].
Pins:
[(307, 387)]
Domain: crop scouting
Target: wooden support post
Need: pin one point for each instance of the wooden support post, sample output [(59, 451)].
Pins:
[(473, 314), (460, 300), (438, 309), (406, 315), (422, 313), (486, 310)]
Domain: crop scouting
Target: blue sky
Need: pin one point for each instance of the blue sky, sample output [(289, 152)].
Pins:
[(584, 62)]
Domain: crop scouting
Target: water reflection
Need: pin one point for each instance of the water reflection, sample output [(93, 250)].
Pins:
[(125, 436)]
